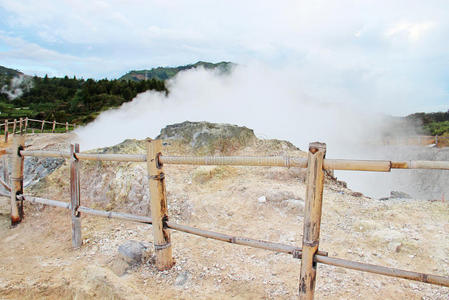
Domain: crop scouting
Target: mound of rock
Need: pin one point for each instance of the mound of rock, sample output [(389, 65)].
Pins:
[(209, 135)]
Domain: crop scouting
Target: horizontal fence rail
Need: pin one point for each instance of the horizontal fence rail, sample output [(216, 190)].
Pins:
[(86, 156), (309, 253), (262, 161), (320, 257), (21, 126), (266, 161)]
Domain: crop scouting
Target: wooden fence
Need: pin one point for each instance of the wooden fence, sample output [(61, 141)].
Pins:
[(309, 253), (420, 140), (23, 125)]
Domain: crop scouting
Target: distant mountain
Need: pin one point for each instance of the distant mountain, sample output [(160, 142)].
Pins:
[(6, 74), (9, 72), (164, 73)]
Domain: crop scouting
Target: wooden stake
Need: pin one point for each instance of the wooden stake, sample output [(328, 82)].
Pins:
[(42, 126), (6, 131), (26, 124), (53, 128), (14, 127), (16, 182), (75, 196), (5, 170), (162, 243), (66, 126), (312, 219), (20, 125)]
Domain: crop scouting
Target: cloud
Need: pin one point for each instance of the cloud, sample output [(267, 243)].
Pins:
[(413, 31), (399, 46)]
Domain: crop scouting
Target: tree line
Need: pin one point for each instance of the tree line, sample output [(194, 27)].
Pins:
[(436, 123), (71, 99)]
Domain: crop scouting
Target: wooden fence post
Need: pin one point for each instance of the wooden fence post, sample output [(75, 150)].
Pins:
[(6, 131), (16, 180), (162, 243), (75, 196), (312, 219), (5, 169), (42, 127), (14, 127), (26, 124), (53, 128), (66, 126), (20, 125)]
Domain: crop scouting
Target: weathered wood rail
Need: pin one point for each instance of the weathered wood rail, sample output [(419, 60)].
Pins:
[(23, 126), (421, 140), (309, 253)]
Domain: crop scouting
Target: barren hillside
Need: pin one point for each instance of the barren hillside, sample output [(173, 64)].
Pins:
[(36, 259)]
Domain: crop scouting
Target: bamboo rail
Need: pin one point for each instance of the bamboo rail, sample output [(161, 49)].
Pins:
[(267, 161), (44, 201), (391, 272), (5, 185), (263, 161), (320, 257), (86, 156)]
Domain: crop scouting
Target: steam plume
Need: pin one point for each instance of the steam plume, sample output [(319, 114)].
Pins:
[(17, 86), (275, 103)]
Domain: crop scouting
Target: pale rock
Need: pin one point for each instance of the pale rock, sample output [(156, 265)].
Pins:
[(262, 199)]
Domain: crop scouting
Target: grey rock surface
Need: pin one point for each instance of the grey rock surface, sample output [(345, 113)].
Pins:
[(134, 252), (400, 195), (200, 134)]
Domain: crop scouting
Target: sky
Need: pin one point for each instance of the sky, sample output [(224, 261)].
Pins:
[(387, 51)]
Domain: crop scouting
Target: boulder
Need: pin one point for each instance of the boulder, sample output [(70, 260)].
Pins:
[(130, 253), (134, 252), (210, 135), (399, 195), (279, 196)]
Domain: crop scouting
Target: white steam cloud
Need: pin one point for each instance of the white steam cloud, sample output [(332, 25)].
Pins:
[(17, 87), (275, 103)]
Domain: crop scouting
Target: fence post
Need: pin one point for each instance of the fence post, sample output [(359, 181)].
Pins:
[(20, 125), (66, 126), (6, 131), (75, 196), (53, 128), (42, 127), (162, 244), (5, 169), (26, 124), (14, 127), (16, 180), (312, 219)]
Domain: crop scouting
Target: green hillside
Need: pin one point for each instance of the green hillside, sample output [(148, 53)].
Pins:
[(9, 72), (164, 73), (436, 123), (79, 100), (66, 99), (6, 74)]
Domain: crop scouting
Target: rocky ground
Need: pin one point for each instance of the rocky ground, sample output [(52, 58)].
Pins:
[(36, 259)]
